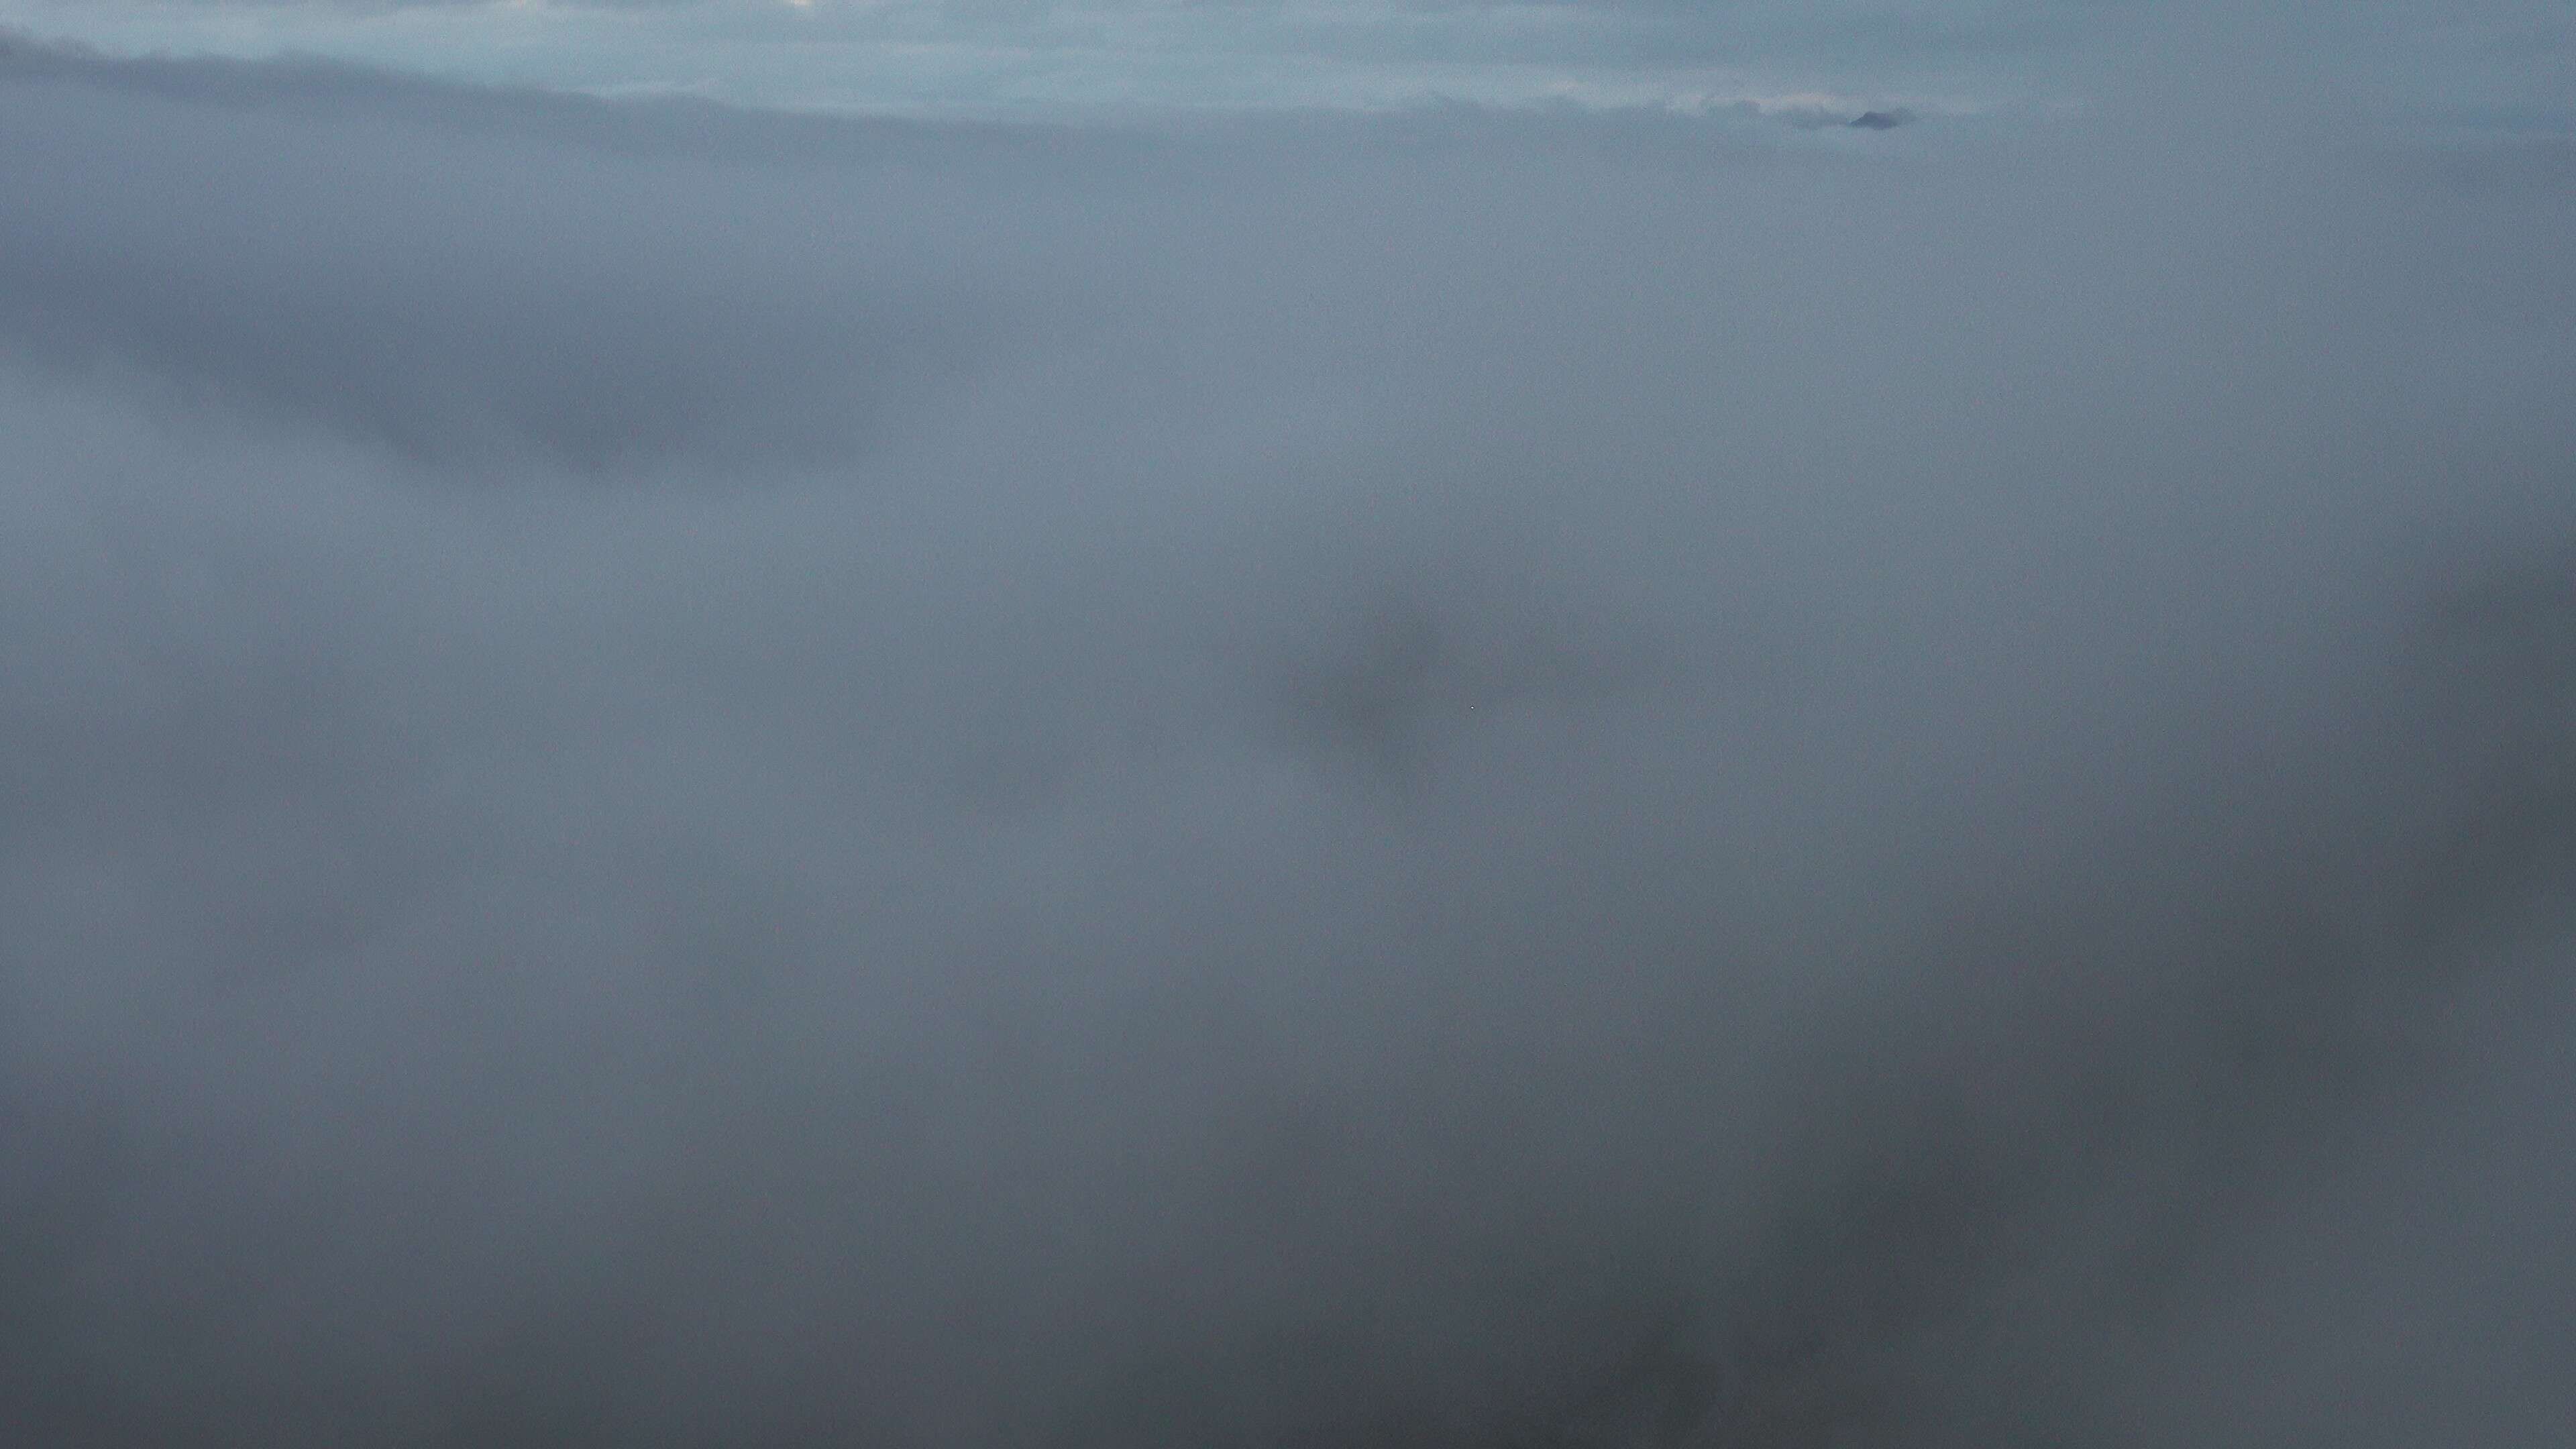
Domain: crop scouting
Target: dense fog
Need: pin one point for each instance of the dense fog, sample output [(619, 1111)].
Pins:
[(672, 776)]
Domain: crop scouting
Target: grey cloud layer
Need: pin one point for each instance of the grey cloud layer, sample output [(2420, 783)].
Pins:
[(2486, 64), (687, 779)]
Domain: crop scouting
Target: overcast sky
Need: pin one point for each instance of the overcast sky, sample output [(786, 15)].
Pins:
[(2485, 62), (1615, 777)]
